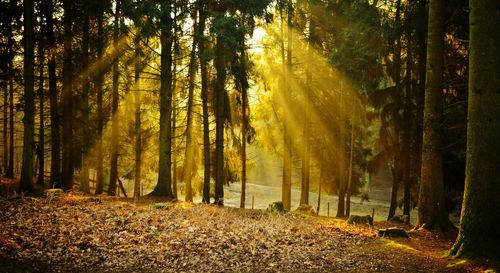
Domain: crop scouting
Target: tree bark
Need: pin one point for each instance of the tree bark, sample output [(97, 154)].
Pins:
[(408, 126), (137, 125), (431, 210), (244, 134), (306, 159), (67, 124), (396, 171), (220, 112), (419, 93), (84, 174), (204, 97), (113, 173), (26, 182), (349, 179), (5, 158), (286, 194), (9, 173), (164, 185), (189, 152), (55, 134), (41, 129), (174, 125), (478, 236), (99, 82), (341, 172)]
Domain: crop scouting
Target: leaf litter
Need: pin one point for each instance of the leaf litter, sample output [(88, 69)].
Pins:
[(80, 233)]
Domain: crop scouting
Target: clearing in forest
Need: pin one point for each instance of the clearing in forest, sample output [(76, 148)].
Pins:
[(77, 233)]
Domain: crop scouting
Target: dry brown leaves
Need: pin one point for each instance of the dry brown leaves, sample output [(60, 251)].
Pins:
[(87, 234)]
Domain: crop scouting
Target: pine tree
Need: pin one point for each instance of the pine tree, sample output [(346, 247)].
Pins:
[(478, 235), (431, 211), (26, 181)]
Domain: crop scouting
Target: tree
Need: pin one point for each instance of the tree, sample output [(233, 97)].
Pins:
[(202, 56), (26, 182), (55, 139), (431, 211), (138, 132), (306, 164), (67, 99), (189, 163), (99, 82), (113, 174), (479, 221), (221, 47), (341, 154), (5, 140), (245, 122), (84, 173), (286, 188), (9, 173), (164, 185), (396, 168), (40, 149)]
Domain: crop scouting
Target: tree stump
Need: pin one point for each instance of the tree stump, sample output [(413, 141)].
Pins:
[(393, 233)]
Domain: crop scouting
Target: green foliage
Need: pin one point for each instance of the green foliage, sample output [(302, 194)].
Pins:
[(250, 7), (229, 31), (359, 43), (94, 7), (145, 15)]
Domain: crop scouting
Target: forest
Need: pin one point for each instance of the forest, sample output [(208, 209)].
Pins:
[(249, 135)]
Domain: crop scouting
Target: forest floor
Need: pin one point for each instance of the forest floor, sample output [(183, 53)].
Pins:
[(78, 233)]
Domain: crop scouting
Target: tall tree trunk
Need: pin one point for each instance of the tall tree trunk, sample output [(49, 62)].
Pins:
[(99, 82), (138, 132), (26, 182), (113, 173), (396, 171), (320, 182), (67, 124), (164, 185), (419, 93), (84, 174), (9, 173), (244, 133), (349, 179), (10, 168), (174, 125), (341, 173), (408, 127), (55, 134), (204, 97), (41, 129), (479, 235), (306, 160), (5, 158), (189, 153), (220, 117), (286, 188), (431, 210)]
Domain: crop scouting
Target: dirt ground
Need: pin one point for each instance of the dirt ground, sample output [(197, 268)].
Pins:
[(78, 233)]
